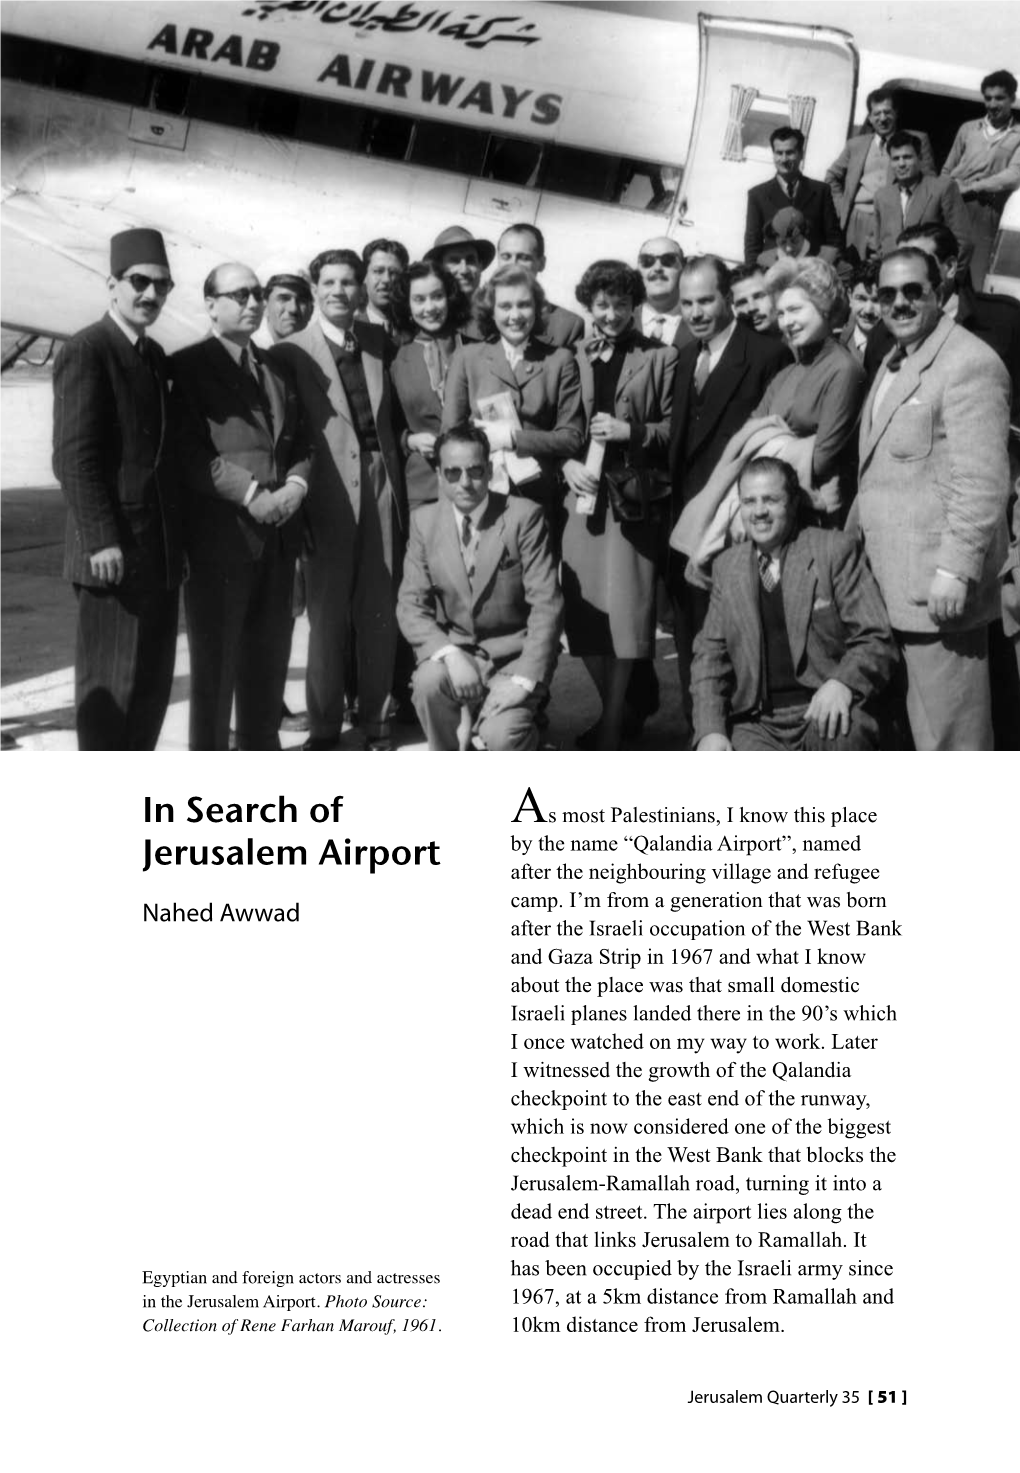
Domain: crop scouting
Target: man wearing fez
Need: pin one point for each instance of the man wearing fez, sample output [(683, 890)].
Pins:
[(111, 454), (245, 462)]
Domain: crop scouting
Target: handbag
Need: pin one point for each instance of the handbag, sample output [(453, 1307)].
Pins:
[(636, 493)]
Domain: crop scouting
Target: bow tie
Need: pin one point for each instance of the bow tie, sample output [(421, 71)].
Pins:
[(599, 347)]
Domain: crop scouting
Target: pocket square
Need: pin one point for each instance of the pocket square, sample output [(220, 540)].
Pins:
[(822, 603)]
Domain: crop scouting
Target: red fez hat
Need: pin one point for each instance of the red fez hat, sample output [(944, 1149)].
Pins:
[(136, 248)]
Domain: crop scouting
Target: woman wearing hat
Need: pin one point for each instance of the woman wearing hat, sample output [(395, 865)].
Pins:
[(525, 393), (428, 309)]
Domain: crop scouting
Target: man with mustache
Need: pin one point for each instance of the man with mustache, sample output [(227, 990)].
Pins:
[(660, 261), (863, 168), (932, 500)]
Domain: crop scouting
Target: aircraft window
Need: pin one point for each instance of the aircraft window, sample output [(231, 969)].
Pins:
[(26, 61), (278, 114), (445, 146), (331, 124), (513, 161), (576, 171), (387, 136), (168, 91), (213, 101)]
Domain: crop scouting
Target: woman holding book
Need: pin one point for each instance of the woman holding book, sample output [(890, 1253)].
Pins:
[(618, 500), (525, 394)]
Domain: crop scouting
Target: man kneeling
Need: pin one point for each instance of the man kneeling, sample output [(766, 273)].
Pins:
[(480, 606), (797, 639)]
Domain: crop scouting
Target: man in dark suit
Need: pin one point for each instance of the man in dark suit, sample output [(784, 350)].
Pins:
[(720, 378), (480, 605), (524, 245), (356, 511), (111, 455), (914, 198), (796, 641), (791, 188), (245, 467)]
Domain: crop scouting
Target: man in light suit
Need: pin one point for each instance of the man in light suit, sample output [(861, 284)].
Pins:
[(790, 188), (931, 504), (863, 168), (480, 604), (914, 198), (113, 457), (524, 245), (245, 465), (797, 641), (355, 512)]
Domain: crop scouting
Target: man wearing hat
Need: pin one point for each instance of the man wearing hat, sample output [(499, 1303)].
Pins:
[(288, 302), (111, 455), (465, 258)]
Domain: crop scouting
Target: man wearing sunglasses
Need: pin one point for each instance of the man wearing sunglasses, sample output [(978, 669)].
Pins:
[(112, 447), (660, 261), (480, 605), (931, 504), (245, 462)]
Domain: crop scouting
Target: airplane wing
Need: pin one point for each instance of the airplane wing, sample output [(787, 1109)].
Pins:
[(55, 267)]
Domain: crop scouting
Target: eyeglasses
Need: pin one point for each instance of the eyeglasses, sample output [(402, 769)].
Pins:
[(161, 285), (455, 473), (913, 291), (241, 295), (668, 258)]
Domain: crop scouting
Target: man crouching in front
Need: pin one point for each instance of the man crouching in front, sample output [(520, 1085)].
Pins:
[(480, 606), (796, 642)]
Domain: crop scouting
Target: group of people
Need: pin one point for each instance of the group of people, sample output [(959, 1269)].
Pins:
[(799, 465)]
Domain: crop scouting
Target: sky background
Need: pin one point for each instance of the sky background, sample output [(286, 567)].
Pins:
[(981, 33)]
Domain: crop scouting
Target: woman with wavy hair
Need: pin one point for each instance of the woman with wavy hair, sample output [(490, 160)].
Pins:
[(525, 394), (429, 311), (618, 501)]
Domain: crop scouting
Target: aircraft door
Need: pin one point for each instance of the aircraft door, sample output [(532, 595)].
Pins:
[(755, 76)]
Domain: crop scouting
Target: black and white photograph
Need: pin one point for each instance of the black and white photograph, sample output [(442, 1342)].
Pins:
[(547, 377)]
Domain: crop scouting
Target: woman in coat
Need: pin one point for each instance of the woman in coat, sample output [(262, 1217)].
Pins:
[(613, 545), (429, 310), (525, 393)]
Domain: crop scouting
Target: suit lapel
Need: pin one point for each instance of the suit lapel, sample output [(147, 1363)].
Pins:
[(314, 339), (719, 389), (633, 360), (490, 547), (373, 369), (274, 394), (906, 381), (446, 556), (798, 584), (587, 378), (744, 610), (499, 367)]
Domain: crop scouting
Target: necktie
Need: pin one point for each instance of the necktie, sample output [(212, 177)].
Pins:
[(702, 369), (769, 579), (466, 535), (896, 359), (657, 329)]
